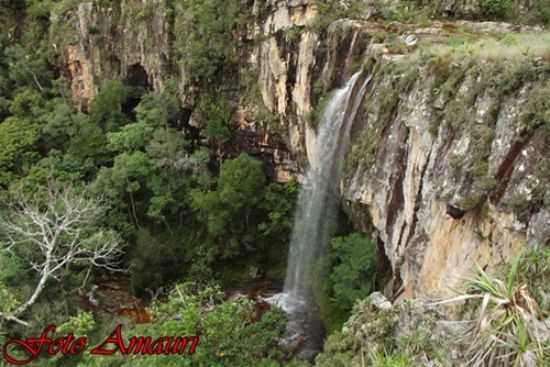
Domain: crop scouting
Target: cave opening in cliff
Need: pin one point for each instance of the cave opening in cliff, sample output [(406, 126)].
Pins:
[(138, 81)]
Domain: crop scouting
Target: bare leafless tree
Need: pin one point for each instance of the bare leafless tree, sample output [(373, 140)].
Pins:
[(56, 229)]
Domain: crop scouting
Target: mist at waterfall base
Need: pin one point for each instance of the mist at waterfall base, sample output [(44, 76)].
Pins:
[(315, 218)]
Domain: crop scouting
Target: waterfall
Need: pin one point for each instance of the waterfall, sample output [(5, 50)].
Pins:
[(317, 208)]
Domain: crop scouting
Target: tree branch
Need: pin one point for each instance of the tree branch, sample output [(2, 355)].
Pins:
[(61, 232)]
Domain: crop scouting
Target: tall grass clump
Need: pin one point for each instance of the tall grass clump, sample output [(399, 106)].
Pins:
[(509, 329)]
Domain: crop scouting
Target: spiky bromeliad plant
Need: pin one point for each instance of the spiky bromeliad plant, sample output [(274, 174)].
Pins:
[(508, 330)]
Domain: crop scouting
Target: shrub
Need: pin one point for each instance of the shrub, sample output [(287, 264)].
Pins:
[(354, 267), (543, 11), (350, 267), (229, 333), (534, 271), (155, 260), (537, 110), (332, 10), (498, 9), (507, 330), (17, 140), (106, 108)]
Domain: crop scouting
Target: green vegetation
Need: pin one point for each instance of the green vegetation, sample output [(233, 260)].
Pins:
[(507, 325), (385, 360), (331, 10), (405, 13), (173, 199), (391, 79), (542, 11), (232, 332), (503, 324), (17, 138), (366, 337), (514, 47), (537, 112), (204, 39), (461, 73), (230, 335), (239, 191), (350, 267), (422, 12), (499, 9), (354, 268), (515, 336), (183, 211), (217, 112)]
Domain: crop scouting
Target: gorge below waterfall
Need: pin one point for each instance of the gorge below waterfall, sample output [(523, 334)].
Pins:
[(316, 214)]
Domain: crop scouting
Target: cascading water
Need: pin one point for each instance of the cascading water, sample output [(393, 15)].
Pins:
[(316, 215)]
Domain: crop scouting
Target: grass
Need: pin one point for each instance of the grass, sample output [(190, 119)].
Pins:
[(534, 271), (511, 47), (383, 359), (418, 343), (538, 108), (332, 10)]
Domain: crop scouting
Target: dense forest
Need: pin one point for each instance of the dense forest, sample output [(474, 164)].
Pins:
[(125, 192), (142, 206)]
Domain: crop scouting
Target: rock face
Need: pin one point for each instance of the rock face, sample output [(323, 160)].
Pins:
[(128, 40), (454, 180), (450, 155), (448, 178)]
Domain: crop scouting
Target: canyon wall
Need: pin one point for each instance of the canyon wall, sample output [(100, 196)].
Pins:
[(450, 154)]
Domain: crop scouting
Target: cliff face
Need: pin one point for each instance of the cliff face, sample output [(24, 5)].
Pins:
[(129, 40), (455, 175), (450, 154), (448, 167)]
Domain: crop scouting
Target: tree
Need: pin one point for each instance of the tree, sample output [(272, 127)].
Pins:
[(28, 68), (106, 109), (229, 210), (17, 140), (153, 167), (216, 112), (54, 229), (209, 44)]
